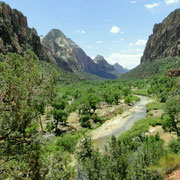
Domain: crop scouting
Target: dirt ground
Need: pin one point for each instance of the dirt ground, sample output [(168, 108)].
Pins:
[(73, 123), (174, 176), (164, 135)]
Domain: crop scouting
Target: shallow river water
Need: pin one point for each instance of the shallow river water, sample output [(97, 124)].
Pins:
[(124, 123)]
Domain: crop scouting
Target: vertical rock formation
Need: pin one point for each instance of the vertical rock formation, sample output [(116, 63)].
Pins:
[(16, 36), (165, 40)]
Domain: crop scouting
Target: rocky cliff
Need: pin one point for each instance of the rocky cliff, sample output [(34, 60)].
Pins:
[(16, 36), (165, 40), (120, 69)]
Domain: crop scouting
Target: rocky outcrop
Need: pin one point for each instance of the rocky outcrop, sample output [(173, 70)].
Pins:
[(61, 48), (16, 36), (104, 69), (120, 69), (165, 40), (102, 64)]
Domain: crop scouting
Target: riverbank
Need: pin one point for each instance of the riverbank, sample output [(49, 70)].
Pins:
[(120, 123)]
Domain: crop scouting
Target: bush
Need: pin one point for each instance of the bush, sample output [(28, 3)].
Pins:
[(85, 121), (135, 98), (142, 92), (167, 164), (120, 111), (68, 142), (128, 99), (174, 145), (96, 118), (154, 106)]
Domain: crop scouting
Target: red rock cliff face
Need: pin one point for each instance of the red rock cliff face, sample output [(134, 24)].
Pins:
[(165, 40), (16, 36)]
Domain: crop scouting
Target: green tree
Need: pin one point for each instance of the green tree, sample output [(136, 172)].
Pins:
[(20, 87), (60, 113), (172, 118)]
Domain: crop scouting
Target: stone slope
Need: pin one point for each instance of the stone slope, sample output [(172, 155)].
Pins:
[(59, 45), (165, 40), (16, 36)]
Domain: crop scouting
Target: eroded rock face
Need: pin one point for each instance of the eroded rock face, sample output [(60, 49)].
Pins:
[(165, 40), (120, 69), (16, 36), (61, 48), (102, 64), (64, 49)]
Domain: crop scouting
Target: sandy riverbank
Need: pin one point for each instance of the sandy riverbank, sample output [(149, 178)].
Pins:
[(112, 125)]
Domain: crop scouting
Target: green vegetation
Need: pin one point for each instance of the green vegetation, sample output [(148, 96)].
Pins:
[(149, 69), (155, 106), (38, 141)]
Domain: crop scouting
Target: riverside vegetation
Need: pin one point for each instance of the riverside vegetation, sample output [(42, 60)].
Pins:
[(33, 149)]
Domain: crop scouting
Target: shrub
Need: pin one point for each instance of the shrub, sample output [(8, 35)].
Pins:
[(154, 106), (68, 142), (174, 145)]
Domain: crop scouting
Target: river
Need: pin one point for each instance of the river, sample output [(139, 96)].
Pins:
[(119, 124)]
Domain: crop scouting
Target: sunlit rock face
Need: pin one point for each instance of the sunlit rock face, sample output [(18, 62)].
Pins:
[(165, 40), (16, 36), (67, 51)]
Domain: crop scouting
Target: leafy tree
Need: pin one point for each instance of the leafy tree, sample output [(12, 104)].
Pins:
[(60, 113), (87, 109), (172, 117), (128, 99), (20, 87)]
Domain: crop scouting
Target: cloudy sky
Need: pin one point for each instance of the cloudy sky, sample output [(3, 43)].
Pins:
[(116, 29)]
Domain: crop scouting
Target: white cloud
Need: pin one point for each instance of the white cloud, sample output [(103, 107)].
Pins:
[(99, 42), (171, 1), (141, 42), (122, 39), (131, 44), (114, 29), (80, 32), (83, 32), (126, 60), (150, 6), (133, 2)]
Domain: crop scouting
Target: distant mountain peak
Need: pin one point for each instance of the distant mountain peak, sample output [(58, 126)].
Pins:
[(99, 58), (120, 69)]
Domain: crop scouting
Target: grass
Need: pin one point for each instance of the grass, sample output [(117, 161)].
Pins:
[(119, 111), (141, 127), (167, 164), (142, 92), (135, 98), (64, 143), (155, 106)]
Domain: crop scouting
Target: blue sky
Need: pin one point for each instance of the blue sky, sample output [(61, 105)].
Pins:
[(116, 29)]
